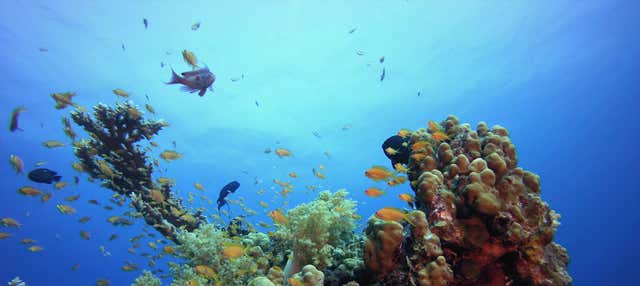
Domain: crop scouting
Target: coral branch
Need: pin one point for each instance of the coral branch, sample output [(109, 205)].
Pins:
[(113, 155)]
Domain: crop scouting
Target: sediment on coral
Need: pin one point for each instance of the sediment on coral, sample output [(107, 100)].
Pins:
[(114, 155), (487, 224)]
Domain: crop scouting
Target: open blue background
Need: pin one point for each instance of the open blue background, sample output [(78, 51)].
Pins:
[(562, 76)]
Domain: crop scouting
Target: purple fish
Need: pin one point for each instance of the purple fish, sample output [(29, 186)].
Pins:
[(192, 81)]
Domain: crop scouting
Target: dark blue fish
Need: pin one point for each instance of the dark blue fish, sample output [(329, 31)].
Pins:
[(396, 142), (226, 190), (145, 22), (45, 176), (382, 75)]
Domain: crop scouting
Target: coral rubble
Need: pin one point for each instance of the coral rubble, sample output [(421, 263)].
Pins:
[(485, 222), (113, 154)]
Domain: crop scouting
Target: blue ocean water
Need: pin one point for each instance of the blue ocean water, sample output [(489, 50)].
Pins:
[(561, 76)]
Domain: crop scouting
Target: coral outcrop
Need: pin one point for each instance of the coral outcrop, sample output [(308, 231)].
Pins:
[(321, 233), (487, 224), (113, 154)]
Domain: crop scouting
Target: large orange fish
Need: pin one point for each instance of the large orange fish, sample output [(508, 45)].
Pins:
[(378, 173)]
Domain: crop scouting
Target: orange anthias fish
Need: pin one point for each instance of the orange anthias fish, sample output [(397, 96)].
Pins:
[(433, 126), (120, 92), (206, 271), (85, 234), (190, 58), (420, 145), (64, 99), (66, 209), (169, 155), (9, 222), (378, 173), (398, 180), (29, 191), (439, 136), (16, 163), (400, 168), (374, 192), (393, 214), (296, 282), (282, 152), (293, 175), (406, 197), (278, 217), (233, 251), (404, 133)]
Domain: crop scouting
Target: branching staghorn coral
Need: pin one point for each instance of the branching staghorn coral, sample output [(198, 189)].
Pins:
[(113, 154)]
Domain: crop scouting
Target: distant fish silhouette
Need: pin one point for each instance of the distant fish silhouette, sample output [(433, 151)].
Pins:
[(145, 22), (382, 75)]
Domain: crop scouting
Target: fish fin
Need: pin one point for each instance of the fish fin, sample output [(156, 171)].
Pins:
[(57, 178), (175, 78), (202, 91), (189, 89)]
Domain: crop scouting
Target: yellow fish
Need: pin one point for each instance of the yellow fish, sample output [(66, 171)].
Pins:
[(282, 152), (64, 99), (404, 133), (190, 58), (52, 144), (66, 209), (198, 186), (16, 163), (46, 197), (150, 108), (433, 126), (35, 248), (378, 173), (374, 192), (120, 92), (393, 214), (169, 155), (233, 251), (205, 271), (9, 222), (278, 217), (29, 191)]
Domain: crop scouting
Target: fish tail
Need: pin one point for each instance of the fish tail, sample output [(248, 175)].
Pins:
[(57, 178), (175, 78)]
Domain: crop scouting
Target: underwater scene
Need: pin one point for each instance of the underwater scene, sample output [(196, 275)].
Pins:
[(307, 143)]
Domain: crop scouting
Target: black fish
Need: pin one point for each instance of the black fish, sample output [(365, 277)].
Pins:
[(396, 142), (145, 22), (258, 105), (382, 75), (229, 188), (45, 176), (381, 59)]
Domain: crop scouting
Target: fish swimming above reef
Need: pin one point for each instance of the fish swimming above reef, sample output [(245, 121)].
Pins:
[(192, 81), (225, 191), (401, 150), (43, 175)]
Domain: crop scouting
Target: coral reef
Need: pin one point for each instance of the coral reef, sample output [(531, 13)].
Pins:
[(309, 276), (146, 279), (321, 233), (114, 155), (203, 248), (487, 224)]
